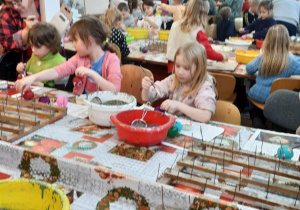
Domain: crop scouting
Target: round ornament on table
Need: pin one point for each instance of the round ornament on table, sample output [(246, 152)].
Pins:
[(44, 99), (62, 101)]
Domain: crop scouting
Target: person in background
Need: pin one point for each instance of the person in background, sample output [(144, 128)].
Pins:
[(45, 44), (95, 63), (115, 3), (246, 5), (128, 19), (191, 27), (212, 8), (190, 88), (12, 34), (275, 62), (235, 6), (287, 13), (177, 9), (262, 24), (136, 11), (251, 15), (113, 19), (225, 27)]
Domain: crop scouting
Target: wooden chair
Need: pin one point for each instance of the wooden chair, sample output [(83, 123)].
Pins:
[(279, 84), (132, 80), (227, 113), (225, 86), (117, 50)]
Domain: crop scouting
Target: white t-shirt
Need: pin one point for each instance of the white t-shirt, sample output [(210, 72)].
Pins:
[(157, 20)]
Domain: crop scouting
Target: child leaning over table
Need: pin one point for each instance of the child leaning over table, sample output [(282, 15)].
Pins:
[(225, 27), (190, 88), (128, 19), (45, 44)]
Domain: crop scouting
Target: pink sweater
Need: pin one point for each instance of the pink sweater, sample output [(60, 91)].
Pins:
[(110, 71)]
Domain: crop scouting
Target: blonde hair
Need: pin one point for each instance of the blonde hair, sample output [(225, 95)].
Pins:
[(275, 51), (112, 16), (195, 15), (193, 54)]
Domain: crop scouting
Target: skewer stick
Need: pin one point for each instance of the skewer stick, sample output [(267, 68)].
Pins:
[(158, 172), (183, 148), (234, 193), (268, 187), (223, 162), (174, 161), (193, 168), (240, 180), (222, 138), (162, 197), (274, 172), (212, 149), (201, 133), (262, 143), (248, 167), (205, 185), (232, 150), (239, 141), (177, 176), (215, 173), (192, 141), (255, 154), (297, 196)]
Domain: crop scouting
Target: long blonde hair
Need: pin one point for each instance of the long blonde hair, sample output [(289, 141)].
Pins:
[(112, 16), (195, 15), (194, 54), (275, 51)]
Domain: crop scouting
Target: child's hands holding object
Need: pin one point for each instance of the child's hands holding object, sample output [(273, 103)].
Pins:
[(81, 71), (21, 68), (170, 106), (147, 82)]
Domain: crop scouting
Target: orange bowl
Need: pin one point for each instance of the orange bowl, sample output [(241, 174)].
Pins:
[(142, 136), (259, 43)]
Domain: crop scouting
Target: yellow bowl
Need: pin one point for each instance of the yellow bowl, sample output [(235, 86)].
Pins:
[(138, 33), (245, 56), (240, 39), (31, 194), (158, 11), (163, 35)]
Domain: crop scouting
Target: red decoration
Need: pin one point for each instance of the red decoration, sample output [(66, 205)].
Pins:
[(20, 76), (77, 81), (28, 95)]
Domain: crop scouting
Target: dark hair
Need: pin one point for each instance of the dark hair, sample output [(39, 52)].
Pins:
[(267, 4), (149, 3), (123, 6), (225, 13), (44, 34), (90, 26), (134, 4)]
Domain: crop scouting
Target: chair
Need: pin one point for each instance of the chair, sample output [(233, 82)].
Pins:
[(117, 50), (8, 64), (227, 113), (132, 80), (225, 86), (281, 83)]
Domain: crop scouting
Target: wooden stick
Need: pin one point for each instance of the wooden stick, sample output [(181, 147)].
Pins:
[(215, 173), (193, 167), (158, 172), (213, 145), (268, 187), (201, 133), (297, 196), (183, 148), (174, 161), (222, 138)]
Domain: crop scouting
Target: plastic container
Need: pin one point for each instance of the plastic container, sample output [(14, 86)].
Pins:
[(142, 136), (129, 39), (238, 44), (245, 56), (138, 33), (163, 35), (100, 113), (240, 39), (31, 194), (259, 43)]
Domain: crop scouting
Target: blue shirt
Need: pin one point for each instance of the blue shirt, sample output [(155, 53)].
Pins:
[(261, 90), (97, 67), (225, 29), (260, 27)]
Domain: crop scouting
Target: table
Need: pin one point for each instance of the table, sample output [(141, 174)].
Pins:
[(91, 160)]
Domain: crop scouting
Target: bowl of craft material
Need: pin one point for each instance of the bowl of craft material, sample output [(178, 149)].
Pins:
[(103, 104), (237, 38), (245, 56), (138, 33), (163, 35), (129, 39), (238, 44), (31, 194), (156, 131), (222, 49), (259, 43)]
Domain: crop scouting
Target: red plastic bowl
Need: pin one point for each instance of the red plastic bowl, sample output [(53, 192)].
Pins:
[(259, 43), (142, 136)]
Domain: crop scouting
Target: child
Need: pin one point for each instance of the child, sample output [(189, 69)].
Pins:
[(251, 15), (151, 20), (45, 44), (190, 88), (225, 27), (135, 8), (128, 19), (191, 27), (113, 18), (94, 62), (274, 62), (246, 5), (177, 9), (262, 24)]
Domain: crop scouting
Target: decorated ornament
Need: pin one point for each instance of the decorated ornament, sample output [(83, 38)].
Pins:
[(244, 37), (285, 152), (44, 99), (62, 101), (28, 95), (77, 81), (20, 76), (157, 108)]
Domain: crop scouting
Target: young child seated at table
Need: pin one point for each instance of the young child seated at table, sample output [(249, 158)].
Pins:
[(225, 27), (275, 62), (251, 15), (45, 44), (128, 19), (135, 10), (95, 63), (262, 24), (151, 20), (190, 88), (113, 18)]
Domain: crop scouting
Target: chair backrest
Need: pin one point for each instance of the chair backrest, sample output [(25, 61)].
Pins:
[(132, 80), (227, 113), (225, 85), (285, 83), (117, 50)]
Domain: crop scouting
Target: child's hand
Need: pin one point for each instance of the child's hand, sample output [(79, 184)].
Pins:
[(249, 36), (170, 106), (81, 71), (123, 27), (22, 85), (147, 82), (241, 30), (21, 67)]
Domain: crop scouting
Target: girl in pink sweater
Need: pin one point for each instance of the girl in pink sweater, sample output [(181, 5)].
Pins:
[(94, 62), (190, 88)]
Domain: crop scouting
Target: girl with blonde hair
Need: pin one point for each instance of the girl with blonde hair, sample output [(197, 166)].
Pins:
[(190, 88), (191, 27), (275, 62), (113, 18)]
